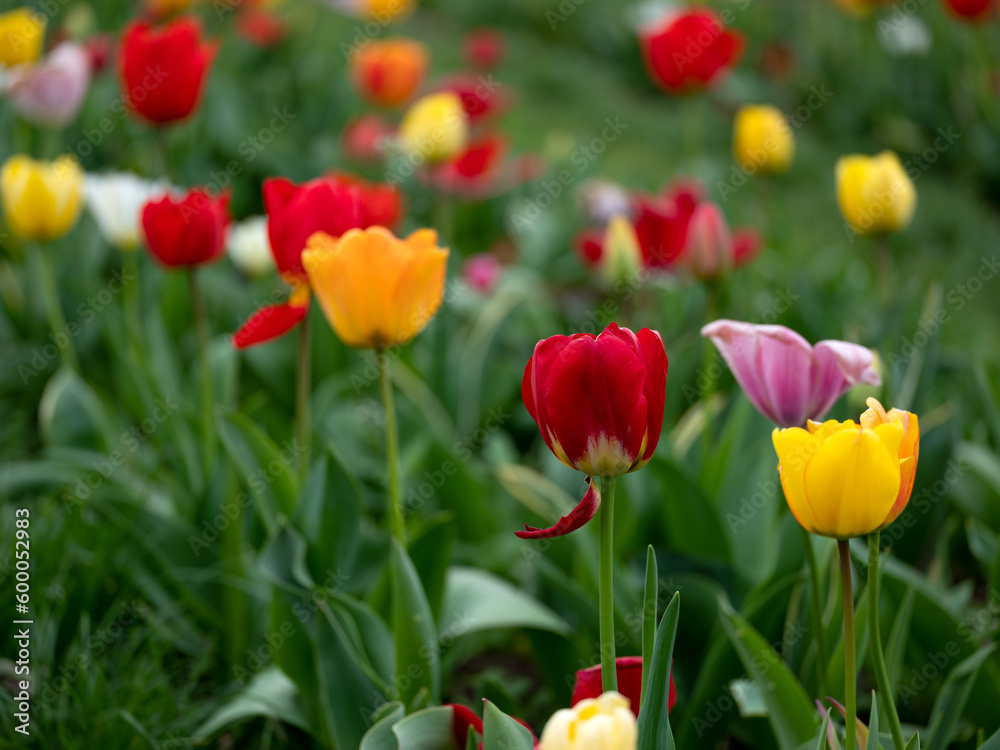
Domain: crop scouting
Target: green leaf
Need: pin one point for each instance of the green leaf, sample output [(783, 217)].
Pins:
[(429, 729), (416, 637), (501, 732), (914, 743), (821, 739), (270, 694), (692, 522), (954, 695), (790, 712), (654, 714), (477, 600), (266, 470), (872, 743), (380, 736), (430, 551), (650, 605), (283, 560), (70, 413), (329, 512)]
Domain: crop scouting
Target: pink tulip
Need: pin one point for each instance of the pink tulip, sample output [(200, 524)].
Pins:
[(482, 272), (50, 93), (711, 249), (787, 379)]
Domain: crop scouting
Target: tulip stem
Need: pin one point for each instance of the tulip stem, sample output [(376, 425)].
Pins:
[(57, 321), (207, 399), (817, 611), (609, 675), (130, 293), (302, 384), (850, 677), (888, 701), (396, 522), (884, 268)]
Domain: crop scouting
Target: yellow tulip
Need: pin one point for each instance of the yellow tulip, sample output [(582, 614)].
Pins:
[(21, 35), (622, 256), (435, 127), (41, 200), (762, 139), (875, 193), (909, 449), (843, 479), (376, 290), (604, 723)]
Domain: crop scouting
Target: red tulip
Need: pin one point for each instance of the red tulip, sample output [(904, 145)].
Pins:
[(362, 137), (260, 27), (711, 248), (484, 48), (481, 96), (598, 402), (589, 245), (975, 10), (188, 231), (381, 204), (163, 70), (662, 221), (629, 671), (692, 50)]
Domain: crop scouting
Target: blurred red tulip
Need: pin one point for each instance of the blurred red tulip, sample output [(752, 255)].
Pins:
[(482, 272), (272, 321), (380, 204), (99, 47), (260, 27), (188, 231), (484, 48), (589, 246), (481, 96), (295, 212), (689, 50), (598, 402), (974, 10), (629, 671), (661, 222), (389, 72), (712, 249), (163, 70), (362, 138), (481, 170)]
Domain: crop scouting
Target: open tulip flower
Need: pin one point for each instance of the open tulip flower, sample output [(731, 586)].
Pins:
[(41, 200), (843, 479), (22, 32), (789, 380), (50, 93), (875, 193), (163, 70), (603, 723), (115, 200), (598, 402), (629, 671), (294, 212), (186, 231), (690, 50), (389, 72)]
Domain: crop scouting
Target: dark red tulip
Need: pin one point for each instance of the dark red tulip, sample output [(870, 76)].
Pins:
[(481, 96), (188, 231), (973, 10), (260, 27), (362, 137), (484, 48), (589, 246), (163, 69), (689, 50), (662, 221), (629, 671), (381, 203), (598, 402)]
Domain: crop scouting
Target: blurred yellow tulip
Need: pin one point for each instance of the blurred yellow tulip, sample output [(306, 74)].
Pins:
[(376, 290), (622, 256), (604, 723), (843, 479), (762, 139), (435, 127), (21, 34), (41, 200), (875, 193)]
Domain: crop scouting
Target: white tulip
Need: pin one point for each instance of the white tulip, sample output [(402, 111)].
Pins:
[(604, 723), (249, 246), (115, 200)]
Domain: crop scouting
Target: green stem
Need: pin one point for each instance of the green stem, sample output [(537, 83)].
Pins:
[(207, 399), (302, 386), (884, 268), (444, 216), (130, 295), (609, 675), (888, 701), (396, 522), (817, 612), (850, 677), (162, 151), (57, 322)]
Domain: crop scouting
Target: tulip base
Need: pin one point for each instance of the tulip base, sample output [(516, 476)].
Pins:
[(850, 666), (609, 674)]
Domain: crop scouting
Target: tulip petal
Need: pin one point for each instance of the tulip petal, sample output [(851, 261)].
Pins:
[(839, 366), (795, 448), (269, 323), (534, 384), (585, 510), (461, 719), (853, 480)]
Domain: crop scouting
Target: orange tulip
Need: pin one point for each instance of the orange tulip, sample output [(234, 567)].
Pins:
[(377, 290), (388, 73)]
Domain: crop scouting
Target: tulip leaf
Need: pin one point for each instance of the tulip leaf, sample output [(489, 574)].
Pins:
[(790, 713), (872, 743), (993, 743), (417, 662), (429, 729), (955, 692), (380, 736), (270, 693), (914, 743), (502, 732), (477, 600), (654, 715), (649, 606), (430, 551), (821, 738), (692, 521), (71, 414)]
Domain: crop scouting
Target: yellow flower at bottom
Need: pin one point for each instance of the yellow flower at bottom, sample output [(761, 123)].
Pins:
[(604, 723), (875, 193), (840, 479), (376, 290), (21, 35), (41, 200)]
